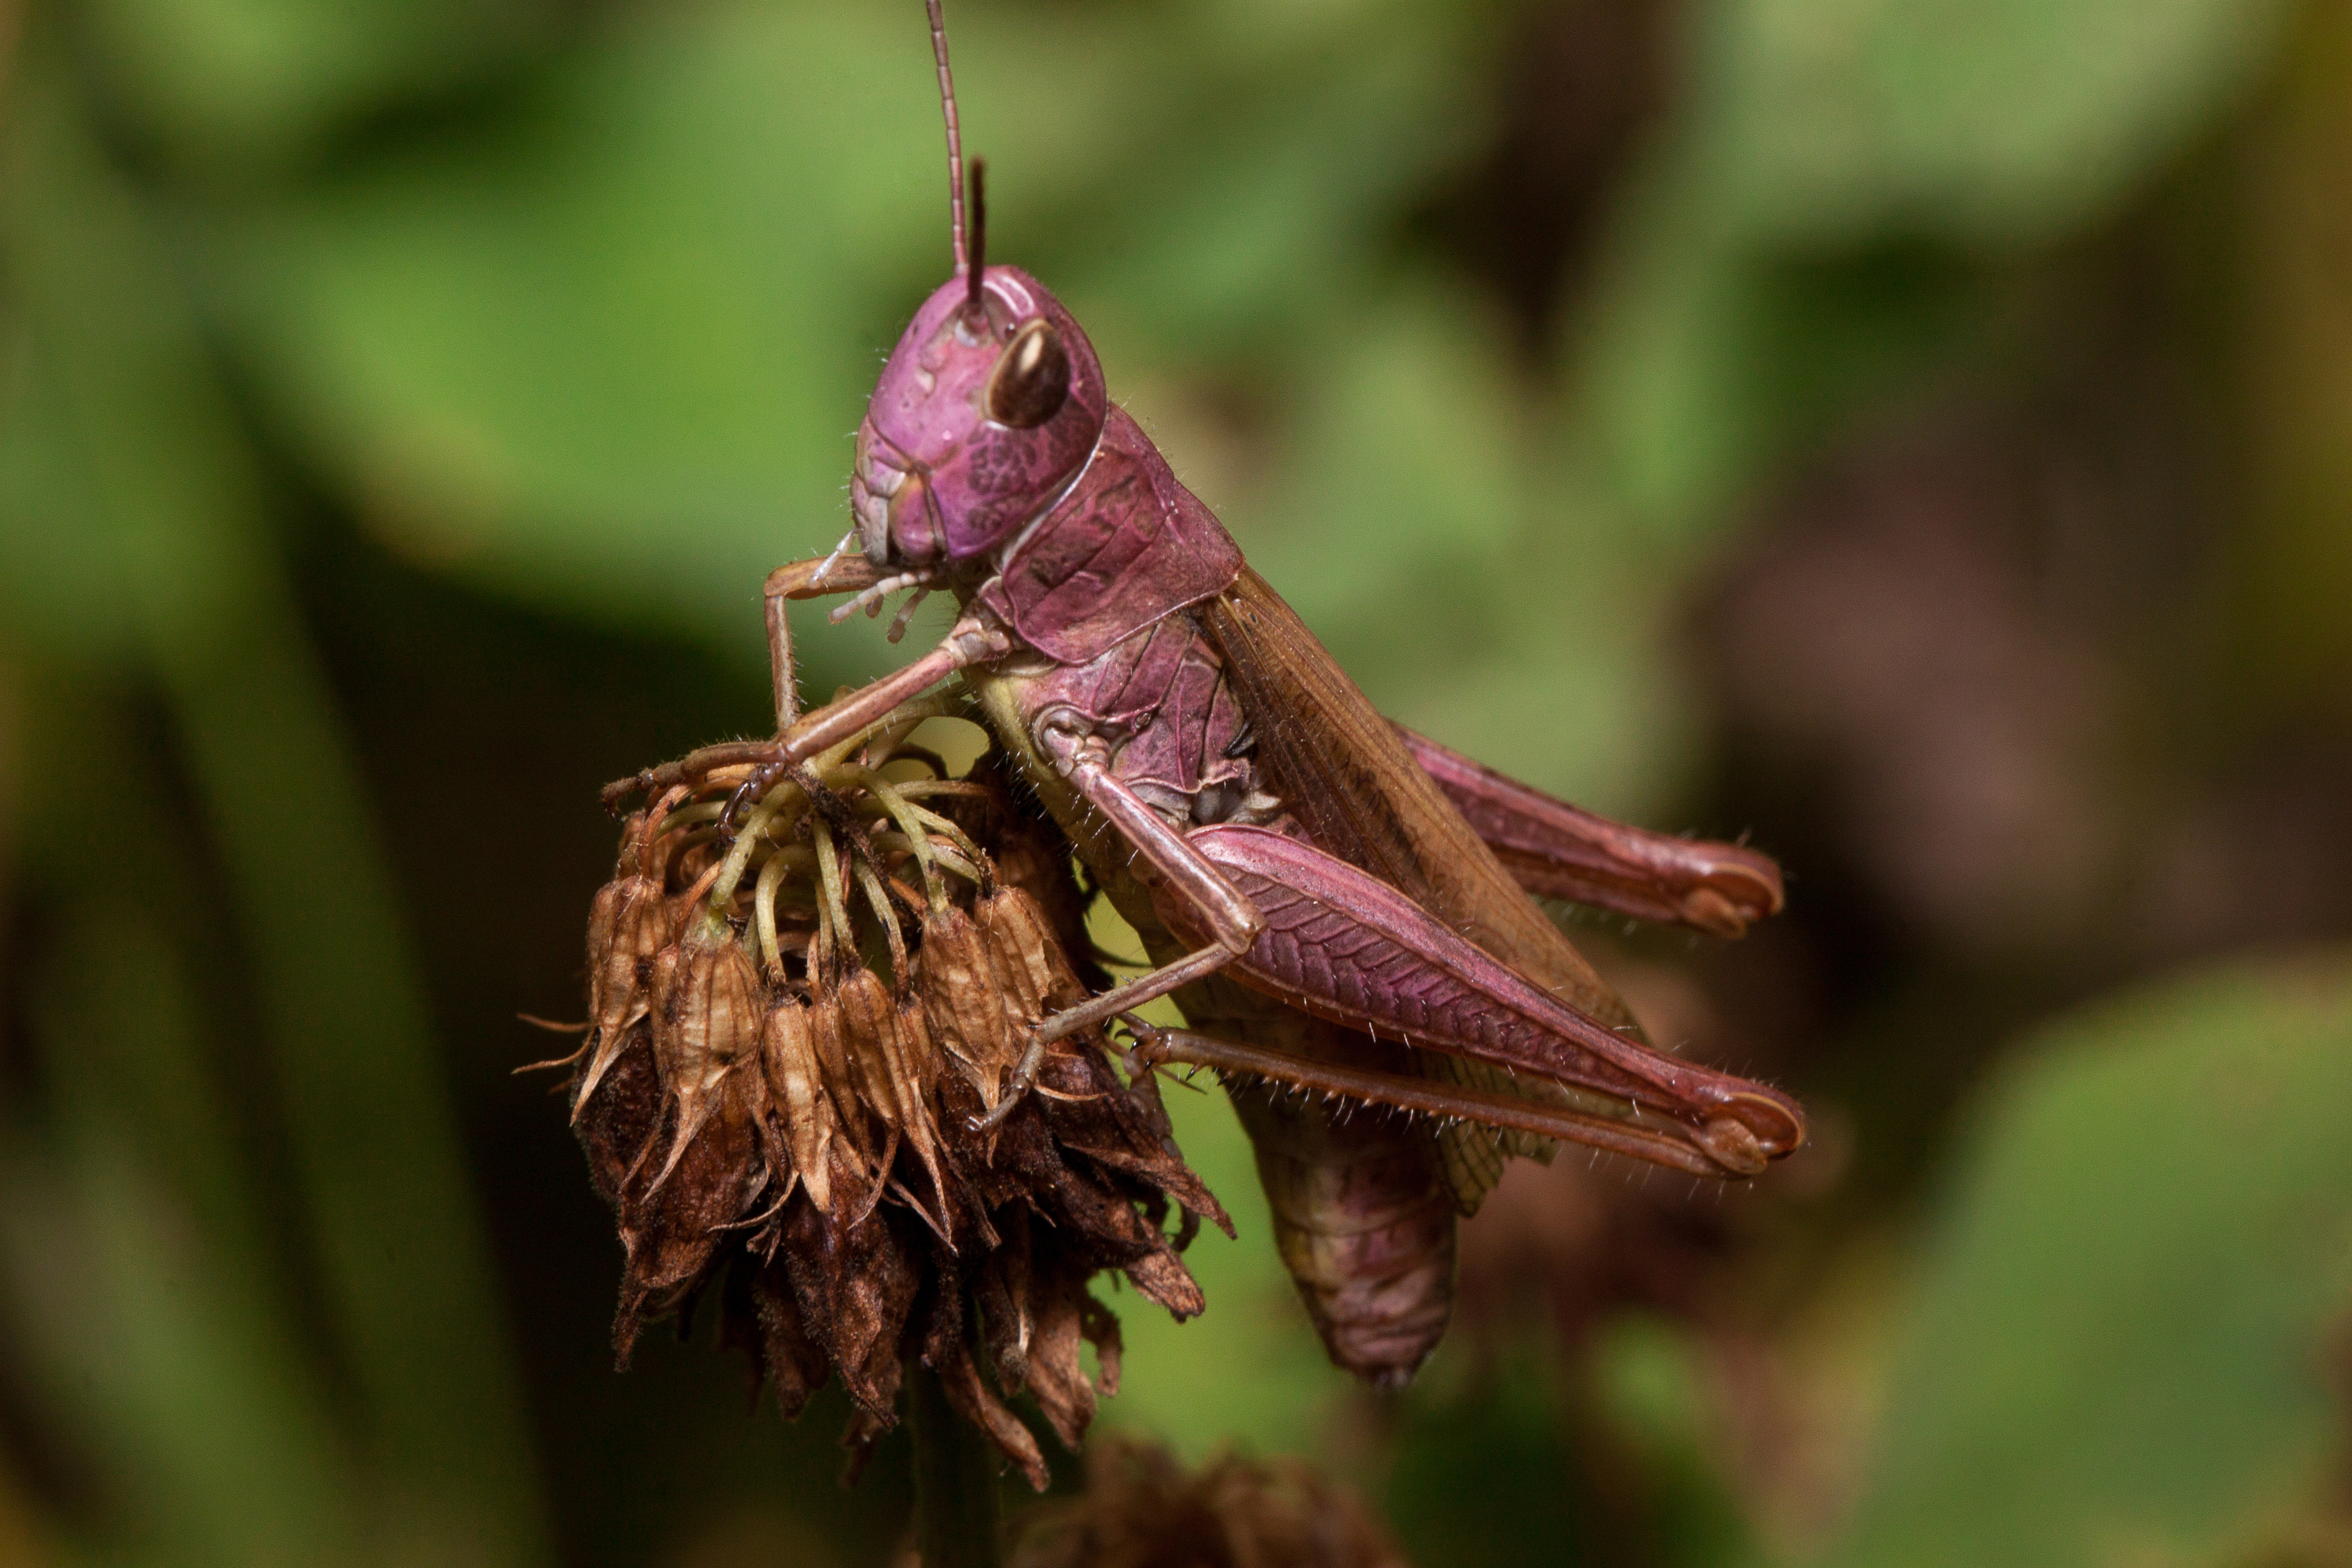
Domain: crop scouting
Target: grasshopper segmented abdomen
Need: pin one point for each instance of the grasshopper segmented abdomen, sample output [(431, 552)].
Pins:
[(1363, 1215)]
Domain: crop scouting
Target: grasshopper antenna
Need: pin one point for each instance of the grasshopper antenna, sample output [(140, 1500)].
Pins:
[(978, 237), (955, 140)]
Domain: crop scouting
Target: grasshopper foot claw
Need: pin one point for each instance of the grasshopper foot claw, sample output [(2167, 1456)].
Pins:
[(747, 795), (1016, 1085), (1149, 1051)]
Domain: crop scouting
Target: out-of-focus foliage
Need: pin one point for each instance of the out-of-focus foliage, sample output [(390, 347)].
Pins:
[(1994, 122), (2123, 1341), (1916, 432)]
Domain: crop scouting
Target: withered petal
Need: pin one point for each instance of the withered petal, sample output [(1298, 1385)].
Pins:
[(671, 1236), (797, 1098), (957, 982), (1053, 1373), (829, 1038), (617, 1119), (629, 923), (1001, 1295), (856, 1284), (960, 1381), (1103, 1120), (1100, 1326), (794, 1363)]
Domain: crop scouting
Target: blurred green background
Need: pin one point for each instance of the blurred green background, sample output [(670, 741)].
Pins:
[(1916, 434)]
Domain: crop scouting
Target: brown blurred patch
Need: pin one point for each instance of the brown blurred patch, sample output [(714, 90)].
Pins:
[(2292, 559), (1579, 85), (1570, 1243), (756, 1539), (1888, 645), (1977, 669), (1143, 1509)]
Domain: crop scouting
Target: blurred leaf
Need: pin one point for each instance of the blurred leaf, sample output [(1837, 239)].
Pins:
[(1588, 713), (1999, 121), (2120, 1350), (1418, 526), (150, 447), (1407, 475), (1668, 371), (1799, 249), (60, 583), (1706, 368), (611, 356), (1652, 1388), (226, 81), (1249, 216), (1486, 1470)]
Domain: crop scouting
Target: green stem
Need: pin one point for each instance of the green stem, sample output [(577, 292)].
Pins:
[(955, 1479)]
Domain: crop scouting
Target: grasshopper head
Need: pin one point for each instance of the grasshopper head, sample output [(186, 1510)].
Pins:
[(989, 407)]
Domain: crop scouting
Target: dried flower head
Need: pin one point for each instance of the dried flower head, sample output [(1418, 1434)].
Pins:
[(798, 1013), (1141, 1508)]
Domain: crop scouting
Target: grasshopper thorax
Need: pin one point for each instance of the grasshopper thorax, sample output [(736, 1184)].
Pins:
[(987, 410)]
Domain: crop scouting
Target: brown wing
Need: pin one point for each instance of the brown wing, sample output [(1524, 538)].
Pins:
[(1353, 785)]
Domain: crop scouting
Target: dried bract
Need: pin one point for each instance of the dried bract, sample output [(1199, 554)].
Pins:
[(797, 1018)]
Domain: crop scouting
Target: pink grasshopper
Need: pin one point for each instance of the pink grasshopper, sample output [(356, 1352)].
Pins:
[(1337, 905)]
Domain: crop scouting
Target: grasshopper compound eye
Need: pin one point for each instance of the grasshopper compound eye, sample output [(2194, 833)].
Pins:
[(1031, 379)]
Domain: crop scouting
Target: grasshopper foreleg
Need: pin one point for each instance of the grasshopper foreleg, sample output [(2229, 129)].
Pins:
[(971, 641), (814, 578)]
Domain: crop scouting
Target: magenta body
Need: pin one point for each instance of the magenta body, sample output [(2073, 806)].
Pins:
[(1163, 703), (1088, 570), (1126, 546)]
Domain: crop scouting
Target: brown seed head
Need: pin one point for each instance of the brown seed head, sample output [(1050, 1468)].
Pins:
[(795, 1028)]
